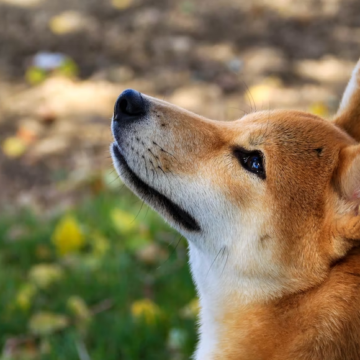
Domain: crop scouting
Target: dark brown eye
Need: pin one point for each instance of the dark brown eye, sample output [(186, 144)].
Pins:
[(251, 161)]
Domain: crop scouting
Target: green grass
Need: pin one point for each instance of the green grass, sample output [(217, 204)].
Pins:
[(124, 259)]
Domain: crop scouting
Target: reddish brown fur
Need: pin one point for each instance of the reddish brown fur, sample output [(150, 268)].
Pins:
[(321, 323), (320, 317), (310, 202)]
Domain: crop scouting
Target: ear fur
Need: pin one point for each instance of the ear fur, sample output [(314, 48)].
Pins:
[(348, 115), (348, 173), (348, 184)]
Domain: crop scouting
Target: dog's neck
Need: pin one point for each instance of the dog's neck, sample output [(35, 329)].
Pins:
[(221, 293)]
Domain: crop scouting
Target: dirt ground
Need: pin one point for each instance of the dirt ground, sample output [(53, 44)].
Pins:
[(219, 58)]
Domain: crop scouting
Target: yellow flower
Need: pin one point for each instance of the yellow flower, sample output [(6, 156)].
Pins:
[(25, 296), (44, 275), (45, 323), (145, 309), (123, 222), (191, 310), (67, 236), (100, 245), (79, 308)]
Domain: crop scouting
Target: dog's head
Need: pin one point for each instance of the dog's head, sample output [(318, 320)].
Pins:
[(268, 201)]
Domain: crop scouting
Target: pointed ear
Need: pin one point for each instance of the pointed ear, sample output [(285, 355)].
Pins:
[(347, 179), (348, 115), (348, 174)]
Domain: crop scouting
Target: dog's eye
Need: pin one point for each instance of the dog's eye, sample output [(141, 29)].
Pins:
[(251, 161), (254, 163)]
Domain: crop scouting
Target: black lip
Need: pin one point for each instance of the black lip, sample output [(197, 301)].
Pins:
[(153, 197)]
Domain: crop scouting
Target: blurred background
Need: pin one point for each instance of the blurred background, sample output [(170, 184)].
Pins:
[(86, 270)]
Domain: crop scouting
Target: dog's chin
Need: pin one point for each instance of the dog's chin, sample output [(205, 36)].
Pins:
[(155, 199)]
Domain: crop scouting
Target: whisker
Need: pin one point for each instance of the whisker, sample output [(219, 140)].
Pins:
[(147, 211), (142, 204), (171, 252), (167, 178), (122, 187), (112, 171), (112, 181), (249, 95), (221, 249), (154, 156), (236, 108), (146, 169), (163, 150), (227, 258)]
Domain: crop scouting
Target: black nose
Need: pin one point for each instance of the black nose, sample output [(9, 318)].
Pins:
[(129, 104)]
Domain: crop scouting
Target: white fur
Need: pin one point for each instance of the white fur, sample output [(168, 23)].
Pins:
[(227, 258), (351, 88)]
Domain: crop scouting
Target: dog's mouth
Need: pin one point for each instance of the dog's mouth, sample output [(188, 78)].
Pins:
[(153, 197)]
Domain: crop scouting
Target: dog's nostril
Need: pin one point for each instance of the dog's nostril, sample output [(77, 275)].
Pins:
[(130, 103), (123, 104)]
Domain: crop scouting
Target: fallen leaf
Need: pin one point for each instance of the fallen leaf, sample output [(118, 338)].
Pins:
[(26, 135), (23, 3), (121, 4), (68, 68), (68, 22), (13, 147), (319, 109), (50, 145), (35, 75)]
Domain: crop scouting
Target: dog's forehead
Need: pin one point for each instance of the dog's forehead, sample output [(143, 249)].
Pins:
[(288, 128)]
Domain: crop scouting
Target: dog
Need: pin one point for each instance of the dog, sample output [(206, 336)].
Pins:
[(269, 205)]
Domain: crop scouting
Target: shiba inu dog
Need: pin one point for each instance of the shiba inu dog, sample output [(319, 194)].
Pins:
[(270, 207)]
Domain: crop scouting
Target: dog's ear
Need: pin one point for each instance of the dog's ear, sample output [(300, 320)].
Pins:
[(347, 182), (348, 115)]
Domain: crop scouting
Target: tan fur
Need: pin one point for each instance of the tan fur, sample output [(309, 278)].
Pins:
[(321, 323), (306, 219)]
